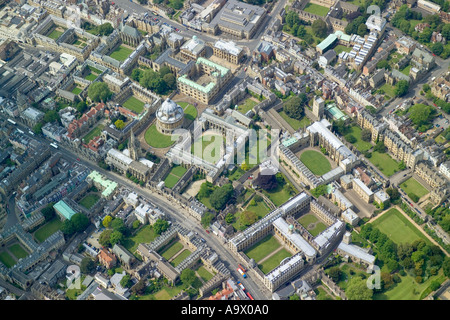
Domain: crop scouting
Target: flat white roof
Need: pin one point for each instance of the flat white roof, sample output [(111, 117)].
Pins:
[(119, 155), (295, 201)]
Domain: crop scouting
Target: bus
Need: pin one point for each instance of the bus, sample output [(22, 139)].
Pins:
[(54, 145), (241, 285), (18, 130), (242, 272), (250, 296), (240, 266), (11, 121)]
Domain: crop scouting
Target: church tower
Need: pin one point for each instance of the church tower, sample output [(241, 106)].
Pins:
[(133, 147)]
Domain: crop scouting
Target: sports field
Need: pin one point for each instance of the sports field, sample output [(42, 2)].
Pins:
[(48, 229), (316, 9), (121, 53), (263, 248), (384, 162), (174, 175), (89, 200), (316, 162), (134, 105), (156, 139), (398, 228), (413, 186)]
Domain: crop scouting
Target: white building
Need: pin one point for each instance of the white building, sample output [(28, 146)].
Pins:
[(376, 22), (444, 168)]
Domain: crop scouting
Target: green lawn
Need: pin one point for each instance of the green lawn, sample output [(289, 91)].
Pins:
[(408, 288), (321, 294), (91, 77), (307, 219), (18, 251), (208, 147), (413, 186), (260, 209), (204, 274), (316, 9), (280, 194), (76, 90), (294, 123), (317, 229), (274, 261), (360, 144), (262, 248), (156, 139), (340, 48), (93, 133), (89, 200), (145, 235), (166, 293), (388, 90), (406, 69), (237, 173), (6, 259), (183, 255), (246, 106), (398, 228), (172, 250), (55, 34), (174, 175), (384, 162), (134, 104), (121, 53), (190, 111), (316, 162), (48, 229)]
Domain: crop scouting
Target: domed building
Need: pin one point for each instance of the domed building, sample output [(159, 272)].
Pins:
[(169, 116)]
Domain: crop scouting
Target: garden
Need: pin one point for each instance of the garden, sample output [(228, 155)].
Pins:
[(316, 162)]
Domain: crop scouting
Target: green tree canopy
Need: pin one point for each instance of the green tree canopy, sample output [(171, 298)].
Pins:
[(294, 107), (319, 28), (248, 218), (220, 196), (106, 221), (401, 88), (87, 265), (206, 219), (366, 135), (160, 226), (119, 124), (115, 237), (188, 277), (99, 91), (104, 238), (357, 289)]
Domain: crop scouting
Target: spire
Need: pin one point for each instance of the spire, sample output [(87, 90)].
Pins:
[(132, 147)]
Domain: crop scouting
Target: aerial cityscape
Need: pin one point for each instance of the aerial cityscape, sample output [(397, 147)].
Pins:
[(224, 150)]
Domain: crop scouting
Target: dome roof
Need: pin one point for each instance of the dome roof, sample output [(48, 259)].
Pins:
[(169, 112)]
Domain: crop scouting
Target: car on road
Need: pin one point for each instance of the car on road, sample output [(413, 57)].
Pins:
[(78, 159)]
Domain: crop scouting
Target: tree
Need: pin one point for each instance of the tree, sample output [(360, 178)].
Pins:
[(294, 297), (366, 135), (116, 237), (319, 191), (126, 281), (48, 212), (294, 107), (105, 29), (99, 92), (393, 193), (248, 218), (401, 88), (350, 138), (119, 124), (420, 114), (220, 196), (136, 224), (437, 48), (319, 28), (357, 290), (362, 30), (68, 228), (51, 116), (229, 218), (106, 221), (446, 266), (37, 129), (205, 190), (170, 80), (383, 64), (117, 224), (206, 219), (136, 74), (335, 273), (413, 197), (164, 70), (81, 106), (160, 226), (104, 238), (188, 277), (380, 147), (80, 222), (87, 265), (139, 287)]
